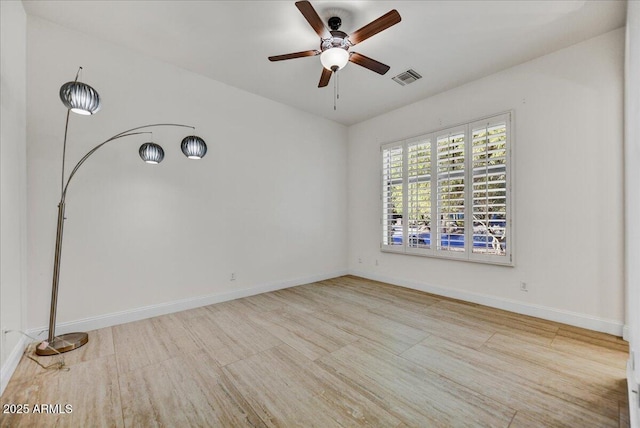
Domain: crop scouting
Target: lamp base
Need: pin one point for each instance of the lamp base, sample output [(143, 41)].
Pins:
[(63, 343)]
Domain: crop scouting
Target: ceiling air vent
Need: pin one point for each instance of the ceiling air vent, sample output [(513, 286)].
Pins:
[(406, 77)]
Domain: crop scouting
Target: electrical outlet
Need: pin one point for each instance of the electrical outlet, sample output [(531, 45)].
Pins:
[(377, 263), (233, 276), (359, 260), (524, 286)]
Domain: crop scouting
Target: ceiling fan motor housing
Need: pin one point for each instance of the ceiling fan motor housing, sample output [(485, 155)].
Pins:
[(335, 22), (338, 39)]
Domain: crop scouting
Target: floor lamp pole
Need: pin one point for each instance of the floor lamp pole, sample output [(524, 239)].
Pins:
[(56, 273), (67, 342), (59, 344), (70, 341)]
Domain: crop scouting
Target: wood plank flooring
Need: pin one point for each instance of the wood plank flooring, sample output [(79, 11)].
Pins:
[(341, 352)]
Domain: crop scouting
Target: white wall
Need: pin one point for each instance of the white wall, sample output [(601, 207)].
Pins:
[(268, 202), (13, 170), (568, 188), (632, 199)]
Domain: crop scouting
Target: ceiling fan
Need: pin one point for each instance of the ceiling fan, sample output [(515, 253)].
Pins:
[(334, 45)]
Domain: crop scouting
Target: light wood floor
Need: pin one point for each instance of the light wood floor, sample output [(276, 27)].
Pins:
[(342, 352)]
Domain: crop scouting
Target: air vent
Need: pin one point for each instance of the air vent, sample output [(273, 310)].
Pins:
[(406, 77)]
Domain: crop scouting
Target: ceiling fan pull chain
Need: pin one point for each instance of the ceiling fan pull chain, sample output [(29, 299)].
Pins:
[(335, 90)]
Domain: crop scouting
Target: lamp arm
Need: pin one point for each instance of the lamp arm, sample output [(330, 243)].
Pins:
[(123, 134), (89, 153), (64, 152)]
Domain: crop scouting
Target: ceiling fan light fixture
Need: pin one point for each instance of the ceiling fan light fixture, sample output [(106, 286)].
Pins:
[(334, 58)]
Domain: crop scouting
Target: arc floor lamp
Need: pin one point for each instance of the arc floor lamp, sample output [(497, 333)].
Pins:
[(81, 98)]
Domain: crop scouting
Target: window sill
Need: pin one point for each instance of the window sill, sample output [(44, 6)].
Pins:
[(462, 257)]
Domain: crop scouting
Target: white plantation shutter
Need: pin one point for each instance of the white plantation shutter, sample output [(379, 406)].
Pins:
[(392, 195), (447, 193), (451, 190), (419, 193), (490, 191)]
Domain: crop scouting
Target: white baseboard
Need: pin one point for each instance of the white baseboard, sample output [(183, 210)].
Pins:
[(12, 362), (136, 314), (566, 317)]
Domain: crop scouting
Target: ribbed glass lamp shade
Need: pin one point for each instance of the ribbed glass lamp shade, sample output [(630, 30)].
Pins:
[(80, 98), (193, 147), (151, 153)]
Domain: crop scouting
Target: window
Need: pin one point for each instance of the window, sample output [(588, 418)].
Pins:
[(447, 193)]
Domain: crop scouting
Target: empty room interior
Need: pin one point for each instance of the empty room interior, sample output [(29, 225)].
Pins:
[(320, 213)]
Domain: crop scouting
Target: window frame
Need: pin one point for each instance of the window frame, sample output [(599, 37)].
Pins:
[(434, 211)]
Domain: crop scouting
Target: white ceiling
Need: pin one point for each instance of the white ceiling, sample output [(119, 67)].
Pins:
[(448, 42)]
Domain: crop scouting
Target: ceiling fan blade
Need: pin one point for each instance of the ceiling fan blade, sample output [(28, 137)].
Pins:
[(324, 77), (369, 63), (374, 27), (294, 55), (312, 18)]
